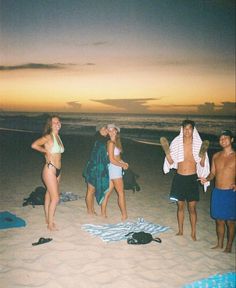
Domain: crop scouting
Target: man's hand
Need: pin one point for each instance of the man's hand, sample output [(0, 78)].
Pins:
[(202, 180), (233, 187), (204, 148)]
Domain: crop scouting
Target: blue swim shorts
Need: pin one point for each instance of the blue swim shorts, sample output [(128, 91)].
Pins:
[(223, 204), (115, 172)]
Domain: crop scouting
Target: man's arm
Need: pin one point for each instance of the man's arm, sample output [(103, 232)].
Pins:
[(203, 150), (211, 176), (169, 159), (165, 146), (202, 162)]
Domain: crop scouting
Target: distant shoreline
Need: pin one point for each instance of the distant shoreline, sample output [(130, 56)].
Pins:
[(16, 130), (144, 141), (140, 128), (182, 115)]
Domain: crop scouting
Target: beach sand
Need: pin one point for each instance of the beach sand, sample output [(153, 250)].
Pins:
[(74, 258)]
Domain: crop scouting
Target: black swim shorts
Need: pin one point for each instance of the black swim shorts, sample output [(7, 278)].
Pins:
[(185, 187)]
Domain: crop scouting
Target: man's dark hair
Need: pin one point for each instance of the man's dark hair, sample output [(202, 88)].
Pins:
[(101, 138), (188, 122), (227, 133)]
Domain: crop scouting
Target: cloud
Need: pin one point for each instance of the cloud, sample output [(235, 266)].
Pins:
[(207, 108), (74, 105), (138, 105), (99, 43), (89, 64), (213, 62), (228, 108), (175, 106), (225, 108), (40, 66), (96, 43), (33, 66), (171, 62)]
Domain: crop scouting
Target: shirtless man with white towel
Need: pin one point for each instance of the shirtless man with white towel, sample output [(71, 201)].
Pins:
[(187, 154)]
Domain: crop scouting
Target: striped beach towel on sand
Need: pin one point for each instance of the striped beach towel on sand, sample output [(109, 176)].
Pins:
[(117, 232)]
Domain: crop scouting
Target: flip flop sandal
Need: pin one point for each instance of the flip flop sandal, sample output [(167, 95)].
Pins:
[(42, 241), (165, 145), (204, 147), (157, 239)]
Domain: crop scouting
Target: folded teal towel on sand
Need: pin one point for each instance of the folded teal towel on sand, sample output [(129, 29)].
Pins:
[(117, 232), (226, 280), (9, 220)]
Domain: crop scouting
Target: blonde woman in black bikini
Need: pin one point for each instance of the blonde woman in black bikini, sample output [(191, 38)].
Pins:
[(51, 146)]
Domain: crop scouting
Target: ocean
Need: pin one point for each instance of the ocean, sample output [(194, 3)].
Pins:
[(147, 128)]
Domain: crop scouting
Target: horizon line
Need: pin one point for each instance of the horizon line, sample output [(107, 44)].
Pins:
[(120, 113)]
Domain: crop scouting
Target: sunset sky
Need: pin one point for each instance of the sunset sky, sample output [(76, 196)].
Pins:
[(136, 56)]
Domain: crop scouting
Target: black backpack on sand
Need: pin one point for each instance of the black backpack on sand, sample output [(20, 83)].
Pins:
[(129, 179), (36, 197), (141, 238)]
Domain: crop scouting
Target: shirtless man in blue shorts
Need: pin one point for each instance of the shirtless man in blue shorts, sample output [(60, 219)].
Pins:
[(223, 203)]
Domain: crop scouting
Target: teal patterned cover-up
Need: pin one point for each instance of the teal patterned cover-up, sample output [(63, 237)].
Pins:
[(96, 170)]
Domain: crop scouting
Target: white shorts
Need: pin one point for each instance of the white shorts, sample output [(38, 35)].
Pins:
[(115, 171)]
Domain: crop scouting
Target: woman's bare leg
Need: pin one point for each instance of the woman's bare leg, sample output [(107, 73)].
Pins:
[(46, 205), (89, 199), (119, 186), (105, 200), (52, 184)]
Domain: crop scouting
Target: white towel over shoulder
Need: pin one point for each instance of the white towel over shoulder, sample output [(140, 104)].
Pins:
[(177, 154)]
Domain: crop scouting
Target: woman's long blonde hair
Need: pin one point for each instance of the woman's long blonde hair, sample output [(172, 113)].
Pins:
[(48, 126), (118, 141)]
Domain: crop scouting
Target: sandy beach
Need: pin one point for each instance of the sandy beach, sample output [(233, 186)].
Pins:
[(74, 258)]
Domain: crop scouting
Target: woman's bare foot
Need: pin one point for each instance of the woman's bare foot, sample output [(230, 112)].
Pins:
[(52, 228), (179, 234), (165, 145), (194, 237), (53, 224), (217, 247), (92, 213), (227, 250), (204, 147), (104, 215), (123, 218)]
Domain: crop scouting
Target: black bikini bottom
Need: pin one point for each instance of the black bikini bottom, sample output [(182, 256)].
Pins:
[(58, 171)]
